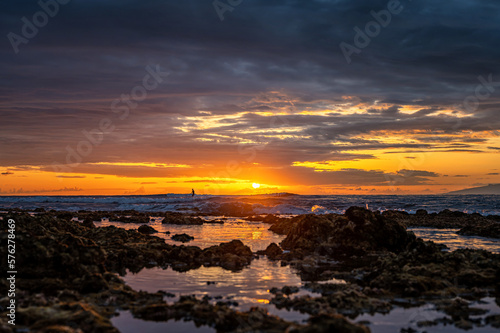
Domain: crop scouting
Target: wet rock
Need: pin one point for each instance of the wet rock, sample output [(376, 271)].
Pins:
[(348, 300), (64, 215), (254, 218), (79, 291), (224, 319), (493, 320), (78, 315), (273, 251), (184, 238), (235, 209), (425, 270), (126, 216), (181, 219), (445, 219), (408, 330), (327, 323), (233, 255), (460, 311), (131, 216), (421, 212), (92, 283), (491, 230), (147, 230), (288, 290), (284, 225), (269, 218), (220, 316), (88, 223), (5, 327), (359, 231)]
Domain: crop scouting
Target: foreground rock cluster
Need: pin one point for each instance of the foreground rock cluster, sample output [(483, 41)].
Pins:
[(70, 277), (70, 281), (384, 266), (469, 224)]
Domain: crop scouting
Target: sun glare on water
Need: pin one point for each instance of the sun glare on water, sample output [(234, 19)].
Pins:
[(255, 185)]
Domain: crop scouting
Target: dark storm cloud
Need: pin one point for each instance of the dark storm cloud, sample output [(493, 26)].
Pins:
[(64, 80), (306, 176)]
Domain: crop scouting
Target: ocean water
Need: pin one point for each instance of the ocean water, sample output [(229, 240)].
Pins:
[(260, 204)]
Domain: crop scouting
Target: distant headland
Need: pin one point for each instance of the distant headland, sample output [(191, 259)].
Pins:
[(489, 189)]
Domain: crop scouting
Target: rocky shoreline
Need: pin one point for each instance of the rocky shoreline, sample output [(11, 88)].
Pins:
[(70, 281)]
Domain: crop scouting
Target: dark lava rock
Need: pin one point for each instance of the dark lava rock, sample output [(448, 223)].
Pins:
[(147, 230), (224, 319), (328, 323), (359, 231), (445, 219), (424, 270), (254, 218), (288, 290), (236, 209), (66, 281), (284, 225), (184, 238), (181, 219), (269, 218), (491, 230), (88, 223), (125, 216), (273, 251), (64, 317), (129, 249), (233, 255), (130, 216), (493, 320)]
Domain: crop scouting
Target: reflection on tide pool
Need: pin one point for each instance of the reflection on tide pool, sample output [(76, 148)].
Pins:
[(399, 318), (126, 323), (253, 234), (454, 241), (249, 287)]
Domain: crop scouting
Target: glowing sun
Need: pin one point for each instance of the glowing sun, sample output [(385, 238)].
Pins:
[(255, 185)]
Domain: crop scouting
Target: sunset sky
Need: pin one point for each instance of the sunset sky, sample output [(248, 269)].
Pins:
[(264, 96)]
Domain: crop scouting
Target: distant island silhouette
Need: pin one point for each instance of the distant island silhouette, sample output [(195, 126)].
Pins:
[(489, 189)]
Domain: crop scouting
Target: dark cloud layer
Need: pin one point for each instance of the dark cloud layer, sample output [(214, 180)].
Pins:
[(266, 56)]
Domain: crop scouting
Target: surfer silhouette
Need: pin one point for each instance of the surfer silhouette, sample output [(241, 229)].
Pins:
[(192, 192)]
